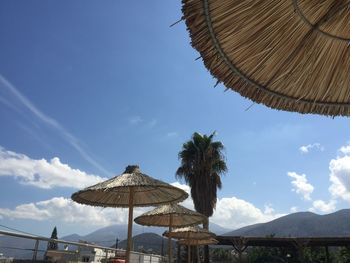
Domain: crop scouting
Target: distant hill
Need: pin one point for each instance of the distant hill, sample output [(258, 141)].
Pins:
[(302, 224), (107, 236), (149, 242)]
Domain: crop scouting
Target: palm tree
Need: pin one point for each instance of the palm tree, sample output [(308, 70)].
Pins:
[(202, 163)]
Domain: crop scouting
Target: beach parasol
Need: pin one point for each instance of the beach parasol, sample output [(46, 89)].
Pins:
[(198, 242), (292, 55), (190, 234), (171, 215), (132, 188)]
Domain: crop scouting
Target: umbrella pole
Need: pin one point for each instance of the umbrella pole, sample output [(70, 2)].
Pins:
[(189, 254), (131, 208), (170, 251)]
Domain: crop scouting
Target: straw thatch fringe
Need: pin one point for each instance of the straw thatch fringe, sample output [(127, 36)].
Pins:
[(266, 51), (178, 21), (190, 232), (174, 214), (115, 192), (198, 242)]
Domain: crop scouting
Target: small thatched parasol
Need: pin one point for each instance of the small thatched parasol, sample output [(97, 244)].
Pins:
[(292, 55), (132, 188), (191, 234), (171, 215), (198, 242)]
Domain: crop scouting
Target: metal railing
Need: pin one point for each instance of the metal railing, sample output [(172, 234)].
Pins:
[(108, 251)]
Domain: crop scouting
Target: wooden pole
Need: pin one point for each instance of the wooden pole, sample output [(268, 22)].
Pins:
[(178, 252), (327, 255), (170, 250), (189, 254), (197, 251), (131, 208)]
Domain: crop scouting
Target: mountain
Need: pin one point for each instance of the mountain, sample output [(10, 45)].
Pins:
[(217, 229), (107, 236), (149, 242), (302, 224)]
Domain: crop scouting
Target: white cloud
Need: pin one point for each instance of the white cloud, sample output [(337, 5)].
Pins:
[(322, 206), (301, 185), (306, 148), (42, 173), (268, 209), (345, 149), (340, 177), (294, 209), (68, 211), (233, 212), (230, 212), (188, 202), (47, 120)]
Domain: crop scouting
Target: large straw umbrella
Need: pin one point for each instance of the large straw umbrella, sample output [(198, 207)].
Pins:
[(191, 234), (291, 55), (132, 188), (171, 215)]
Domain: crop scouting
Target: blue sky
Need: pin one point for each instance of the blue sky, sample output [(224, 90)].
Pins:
[(94, 86)]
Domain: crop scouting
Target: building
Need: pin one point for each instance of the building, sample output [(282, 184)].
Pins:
[(4, 259)]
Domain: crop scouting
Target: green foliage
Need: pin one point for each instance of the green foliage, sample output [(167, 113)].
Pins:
[(315, 254), (270, 254), (289, 255), (221, 255), (202, 163), (341, 255), (53, 245)]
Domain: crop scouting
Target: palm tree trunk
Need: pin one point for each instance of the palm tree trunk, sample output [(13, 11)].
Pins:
[(206, 247)]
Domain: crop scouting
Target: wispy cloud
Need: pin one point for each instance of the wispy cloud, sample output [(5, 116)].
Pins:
[(172, 134), (307, 148), (152, 123), (134, 120), (47, 120)]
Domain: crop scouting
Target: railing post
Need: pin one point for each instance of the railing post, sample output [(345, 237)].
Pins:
[(35, 252)]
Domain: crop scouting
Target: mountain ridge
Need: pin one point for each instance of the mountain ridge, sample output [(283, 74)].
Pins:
[(300, 224)]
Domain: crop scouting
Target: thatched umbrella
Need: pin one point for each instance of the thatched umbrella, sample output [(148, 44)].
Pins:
[(292, 55), (191, 234), (171, 215), (196, 242), (132, 188)]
